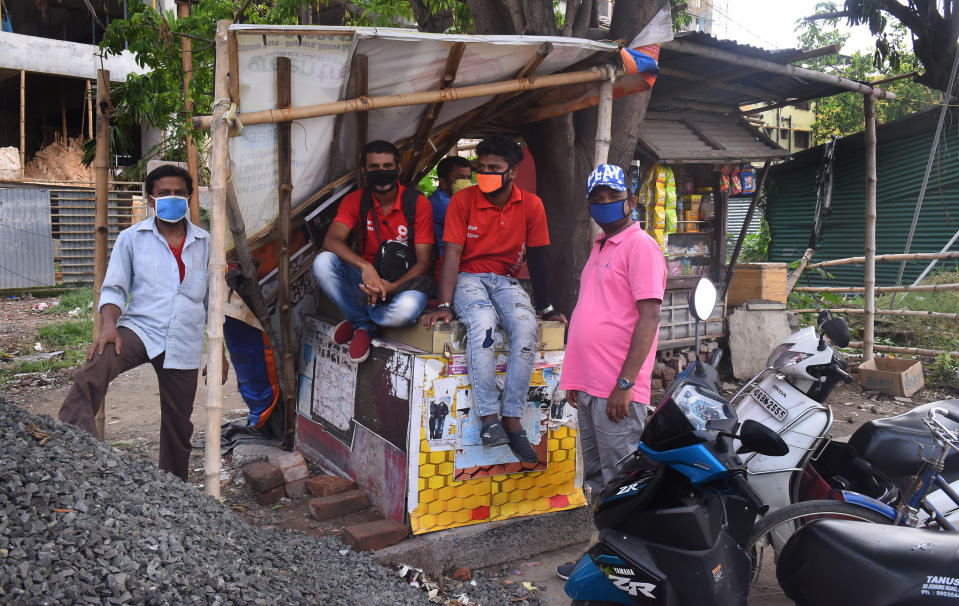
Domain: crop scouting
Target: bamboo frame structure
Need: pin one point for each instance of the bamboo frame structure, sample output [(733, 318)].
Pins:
[(887, 312), (284, 155), (217, 267), (940, 256), (359, 104), (879, 289), (361, 88), (101, 232), (797, 273), (604, 119), (869, 282), (90, 109), (909, 351), (772, 67)]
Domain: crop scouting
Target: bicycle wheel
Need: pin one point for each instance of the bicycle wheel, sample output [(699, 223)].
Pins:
[(772, 532)]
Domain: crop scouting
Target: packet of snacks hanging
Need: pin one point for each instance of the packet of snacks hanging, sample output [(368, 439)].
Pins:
[(660, 191), (670, 201)]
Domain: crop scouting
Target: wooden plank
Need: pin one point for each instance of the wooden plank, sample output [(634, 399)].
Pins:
[(285, 180)]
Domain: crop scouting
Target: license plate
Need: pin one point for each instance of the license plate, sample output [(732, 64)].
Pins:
[(771, 405)]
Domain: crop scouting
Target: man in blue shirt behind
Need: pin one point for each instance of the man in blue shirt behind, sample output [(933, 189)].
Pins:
[(454, 174), (160, 266)]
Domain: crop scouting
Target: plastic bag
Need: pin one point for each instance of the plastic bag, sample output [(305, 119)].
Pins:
[(747, 176), (735, 182)]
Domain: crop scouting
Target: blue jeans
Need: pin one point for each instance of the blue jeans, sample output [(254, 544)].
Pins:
[(341, 283), (480, 302)]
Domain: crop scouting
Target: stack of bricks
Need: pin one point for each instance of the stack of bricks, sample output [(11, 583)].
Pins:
[(669, 363), (275, 478)]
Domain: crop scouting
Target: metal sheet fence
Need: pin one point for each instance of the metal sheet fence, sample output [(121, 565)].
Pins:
[(26, 238), (73, 211)]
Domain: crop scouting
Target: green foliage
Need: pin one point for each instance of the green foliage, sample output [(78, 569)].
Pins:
[(842, 114), (382, 13), (756, 246), (943, 372), (156, 98), (429, 183), (680, 18), (81, 297)]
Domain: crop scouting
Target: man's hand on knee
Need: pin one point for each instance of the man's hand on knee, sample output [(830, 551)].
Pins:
[(108, 334)]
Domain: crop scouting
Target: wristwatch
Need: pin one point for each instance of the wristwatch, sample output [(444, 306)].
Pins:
[(546, 311), (624, 383), (445, 306)]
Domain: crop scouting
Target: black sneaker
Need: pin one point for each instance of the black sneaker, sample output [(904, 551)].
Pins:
[(493, 434), (519, 444), (563, 571)]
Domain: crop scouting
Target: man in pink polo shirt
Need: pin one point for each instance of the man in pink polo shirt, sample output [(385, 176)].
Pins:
[(613, 332)]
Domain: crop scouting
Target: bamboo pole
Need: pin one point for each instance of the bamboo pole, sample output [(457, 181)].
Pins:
[(941, 256), (880, 289), (932, 263), (101, 232), (797, 273), (244, 256), (909, 351), (361, 88), (284, 151), (604, 118), (405, 99), (772, 67), (869, 282), (23, 120), (192, 156), (89, 109), (214, 323), (433, 109), (887, 312), (63, 117)]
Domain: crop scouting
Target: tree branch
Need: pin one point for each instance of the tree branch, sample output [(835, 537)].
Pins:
[(572, 6)]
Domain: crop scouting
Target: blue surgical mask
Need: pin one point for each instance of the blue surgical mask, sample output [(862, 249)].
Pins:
[(608, 213), (171, 208)]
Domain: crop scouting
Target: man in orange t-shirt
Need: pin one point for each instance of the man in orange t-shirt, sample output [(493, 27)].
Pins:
[(358, 282), (490, 229)]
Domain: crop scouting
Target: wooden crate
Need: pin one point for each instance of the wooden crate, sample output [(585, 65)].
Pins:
[(757, 281)]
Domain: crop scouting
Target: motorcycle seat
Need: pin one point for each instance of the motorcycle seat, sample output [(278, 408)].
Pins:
[(892, 445), (831, 561)]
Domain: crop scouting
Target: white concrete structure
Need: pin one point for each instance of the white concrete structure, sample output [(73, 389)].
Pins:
[(62, 58)]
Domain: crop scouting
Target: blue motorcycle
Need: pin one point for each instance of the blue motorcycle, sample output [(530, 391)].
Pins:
[(672, 524)]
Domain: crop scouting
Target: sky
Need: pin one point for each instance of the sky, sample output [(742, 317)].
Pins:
[(770, 23)]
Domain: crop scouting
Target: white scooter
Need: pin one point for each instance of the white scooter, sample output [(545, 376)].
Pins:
[(789, 397)]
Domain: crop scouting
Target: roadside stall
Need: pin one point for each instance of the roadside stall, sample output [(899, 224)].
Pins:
[(687, 165), (302, 103)]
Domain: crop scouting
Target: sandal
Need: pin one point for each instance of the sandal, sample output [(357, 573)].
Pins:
[(521, 447), (493, 434)]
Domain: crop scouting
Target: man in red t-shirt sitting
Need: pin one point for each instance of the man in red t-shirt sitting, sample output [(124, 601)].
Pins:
[(384, 283), (490, 229)]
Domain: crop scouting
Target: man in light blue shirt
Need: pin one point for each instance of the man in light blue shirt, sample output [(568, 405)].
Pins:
[(153, 303), (453, 174)]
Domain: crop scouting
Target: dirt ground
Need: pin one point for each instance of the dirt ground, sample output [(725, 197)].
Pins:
[(133, 417)]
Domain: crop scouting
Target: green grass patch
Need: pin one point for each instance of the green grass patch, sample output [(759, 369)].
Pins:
[(70, 300), (72, 336)]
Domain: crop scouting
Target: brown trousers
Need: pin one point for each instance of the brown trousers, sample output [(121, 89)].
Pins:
[(177, 390)]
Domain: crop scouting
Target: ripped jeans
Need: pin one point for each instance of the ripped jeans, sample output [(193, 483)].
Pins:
[(480, 302)]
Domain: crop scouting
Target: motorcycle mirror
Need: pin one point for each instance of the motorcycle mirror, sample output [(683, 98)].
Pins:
[(702, 299), (837, 330), (758, 438)]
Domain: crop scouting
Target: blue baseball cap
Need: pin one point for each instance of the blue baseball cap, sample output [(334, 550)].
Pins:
[(609, 175)]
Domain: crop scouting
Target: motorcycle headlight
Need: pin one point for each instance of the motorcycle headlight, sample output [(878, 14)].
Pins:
[(789, 358)]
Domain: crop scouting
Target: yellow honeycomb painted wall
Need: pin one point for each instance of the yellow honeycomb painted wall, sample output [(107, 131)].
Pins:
[(445, 503)]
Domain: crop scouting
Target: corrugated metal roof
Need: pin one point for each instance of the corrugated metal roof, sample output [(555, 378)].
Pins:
[(902, 152), (772, 86), (702, 137), (26, 238)]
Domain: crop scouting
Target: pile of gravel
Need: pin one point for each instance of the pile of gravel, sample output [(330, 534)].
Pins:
[(81, 523)]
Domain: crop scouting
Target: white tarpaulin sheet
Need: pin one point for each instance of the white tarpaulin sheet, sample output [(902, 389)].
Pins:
[(400, 61)]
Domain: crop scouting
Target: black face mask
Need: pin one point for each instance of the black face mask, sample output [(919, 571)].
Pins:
[(383, 177)]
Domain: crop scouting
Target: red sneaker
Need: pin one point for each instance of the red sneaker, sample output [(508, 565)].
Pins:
[(343, 332), (360, 346)]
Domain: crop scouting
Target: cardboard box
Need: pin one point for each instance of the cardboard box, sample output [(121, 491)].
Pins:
[(892, 376), (765, 281)]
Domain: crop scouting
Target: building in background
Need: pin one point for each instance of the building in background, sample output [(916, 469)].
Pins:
[(790, 126), (701, 14)]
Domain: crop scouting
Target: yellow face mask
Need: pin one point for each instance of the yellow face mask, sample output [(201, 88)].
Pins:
[(460, 184)]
